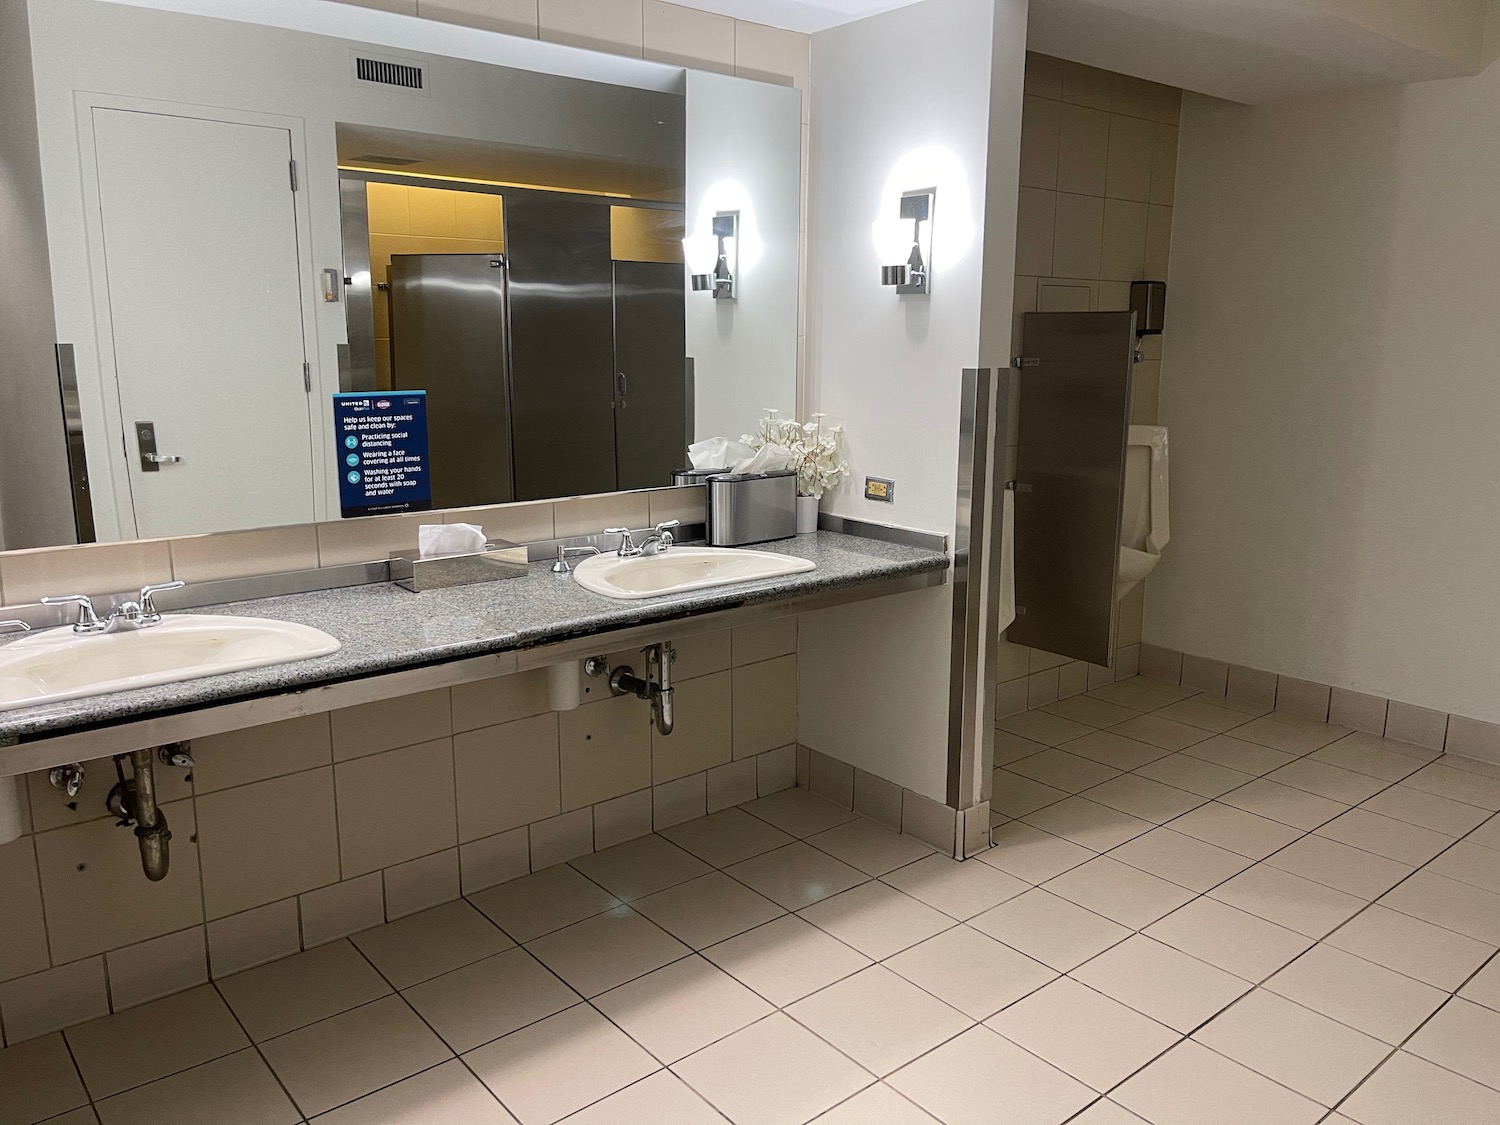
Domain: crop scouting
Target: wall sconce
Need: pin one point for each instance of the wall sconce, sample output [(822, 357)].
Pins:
[(904, 241), (713, 258)]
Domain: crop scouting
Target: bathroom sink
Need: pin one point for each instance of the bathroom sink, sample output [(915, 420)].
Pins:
[(58, 664), (681, 569)]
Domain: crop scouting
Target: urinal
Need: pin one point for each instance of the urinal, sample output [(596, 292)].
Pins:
[(1144, 529)]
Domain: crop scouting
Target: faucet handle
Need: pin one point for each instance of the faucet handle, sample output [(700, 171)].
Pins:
[(148, 593), (88, 621), (664, 532), (627, 544)]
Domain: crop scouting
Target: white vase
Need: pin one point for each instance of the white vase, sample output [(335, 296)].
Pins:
[(807, 514)]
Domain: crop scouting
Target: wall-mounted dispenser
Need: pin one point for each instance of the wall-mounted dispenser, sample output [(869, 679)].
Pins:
[(713, 257), (905, 245), (1148, 300)]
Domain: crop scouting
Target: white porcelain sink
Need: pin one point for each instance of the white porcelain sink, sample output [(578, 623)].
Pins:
[(59, 664), (681, 569)]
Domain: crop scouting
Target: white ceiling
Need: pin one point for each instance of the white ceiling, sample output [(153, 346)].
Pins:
[(798, 15)]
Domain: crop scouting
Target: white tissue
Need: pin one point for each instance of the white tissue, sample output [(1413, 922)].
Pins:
[(717, 453), (766, 459), (436, 539), (10, 809)]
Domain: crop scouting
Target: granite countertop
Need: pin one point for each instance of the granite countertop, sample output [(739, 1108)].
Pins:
[(383, 628)]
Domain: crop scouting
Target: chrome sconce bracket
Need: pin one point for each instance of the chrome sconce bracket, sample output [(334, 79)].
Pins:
[(721, 244), (914, 274)]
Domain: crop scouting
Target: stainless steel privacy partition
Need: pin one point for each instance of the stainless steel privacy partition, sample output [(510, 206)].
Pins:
[(1075, 371)]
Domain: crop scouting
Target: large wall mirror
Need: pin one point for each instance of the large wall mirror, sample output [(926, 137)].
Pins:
[(258, 235)]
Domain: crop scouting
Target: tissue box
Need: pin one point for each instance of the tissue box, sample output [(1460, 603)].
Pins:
[(498, 560), (754, 508)]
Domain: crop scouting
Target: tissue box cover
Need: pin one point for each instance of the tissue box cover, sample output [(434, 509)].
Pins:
[(498, 560)]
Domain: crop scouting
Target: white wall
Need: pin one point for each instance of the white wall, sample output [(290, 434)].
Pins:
[(890, 367), (1332, 385), (744, 153)]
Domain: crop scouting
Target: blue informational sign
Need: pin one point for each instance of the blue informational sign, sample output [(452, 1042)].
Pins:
[(381, 445)]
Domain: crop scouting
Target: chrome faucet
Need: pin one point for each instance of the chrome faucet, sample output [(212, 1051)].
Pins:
[(654, 544), (14, 627), (138, 614)]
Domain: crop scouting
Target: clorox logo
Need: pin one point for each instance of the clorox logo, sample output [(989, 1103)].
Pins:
[(382, 404)]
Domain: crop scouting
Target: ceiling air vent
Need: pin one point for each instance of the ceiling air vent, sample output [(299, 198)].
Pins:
[(406, 76)]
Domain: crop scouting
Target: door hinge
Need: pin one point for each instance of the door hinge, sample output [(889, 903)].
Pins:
[(307, 376), (292, 169), (1025, 361)]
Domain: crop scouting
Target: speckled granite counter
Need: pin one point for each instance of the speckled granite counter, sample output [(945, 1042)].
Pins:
[(385, 629)]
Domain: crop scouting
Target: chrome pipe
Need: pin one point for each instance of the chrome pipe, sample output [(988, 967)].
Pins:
[(151, 831)]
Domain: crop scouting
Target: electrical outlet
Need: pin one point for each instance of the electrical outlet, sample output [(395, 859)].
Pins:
[(878, 488)]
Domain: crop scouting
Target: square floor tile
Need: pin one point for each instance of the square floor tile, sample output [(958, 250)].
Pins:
[(1314, 1055), (1426, 810), (1015, 796), (1049, 929), (1191, 1085), (548, 1070), (879, 1019), (1141, 694), (1249, 947), (1282, 803), (1012, 747), (1351, 870), (1050, 730), (1235, 830), (599, 953), (660, 1097), (1181, 859), (707, 910), (1140, 796), (424, 945), (1239, 755), (1394, 839), (1411, 1091), (489, 998), (140, 1045), (1195, 775), (1158, 731), (1084, 1033), (1062, 770), (1327, 780), (959, 889), (1450, 904), (449, 1090), (1204, 715), (238, 1089), (346, 1056), (1293, 734), (304, 988), (876, 919), (1161, 982), (1089, 824), (871, 847), (1031, 854), (1369, 755), (1464, 1037), (1106, 1112), (537, 904), (38, 1080), (1091, 711), (797, 875), (681, 1008), (786, 960), (798, 812), (1289, 900), (726, 837), (982, 1076), (877, 1103), (640, 867), (1487, 834), (774, 1072), (1113, 749), (1411, 946), (971, 971), (1470, 863), (1363, 995), (1463, 785), (1485, 987), (1132, 897)]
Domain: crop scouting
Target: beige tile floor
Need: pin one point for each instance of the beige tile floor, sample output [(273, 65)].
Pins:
[(1192, 915)]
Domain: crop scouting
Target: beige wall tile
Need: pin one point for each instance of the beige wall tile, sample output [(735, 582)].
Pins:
[(508, 776), (1166, 664), (561, 838), (503, 699), (589, 515), (395, 806), (159, 967), (1066, 296), (762, 641), (699, 654), (1131, 154), (1472, 738), (1041, 688), (1251, 685), (480, 217), (1417, 725), (730, 785), (765, 705), (1358, 710), (1082, 150), (96, 895), (1204, 674), (688, 504), (687, 37), (514, 523), (369, 539), (1132, 611), (388, 210), (1303, 697), (604, 750), (624, 818), (51, 808), (770, 54), (494, 859), (929, 821), (1123, 257), (1163, 164), (269, 840), (341, 909), (1145, 393), (206, 558), (775, 770), (832, 779), (1127, 662), (389, 723), (1079, 236), (23, 933), (1036, 221), (1139, 98), (1011, 696), (511, 17), (702, 737), (1044, 75), (243, 941), (1041, 131), (57, 998), (678, 801), (434, 212), (1085, 85), (600, 25), (257, 753), (878, 799), (421, 883), (97, 568), (1158, 245)]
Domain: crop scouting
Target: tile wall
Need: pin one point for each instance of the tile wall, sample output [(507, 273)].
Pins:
[(294, 834)]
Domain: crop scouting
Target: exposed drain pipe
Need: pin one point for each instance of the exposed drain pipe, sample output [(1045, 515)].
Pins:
[(134, 799), (656, 687)]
